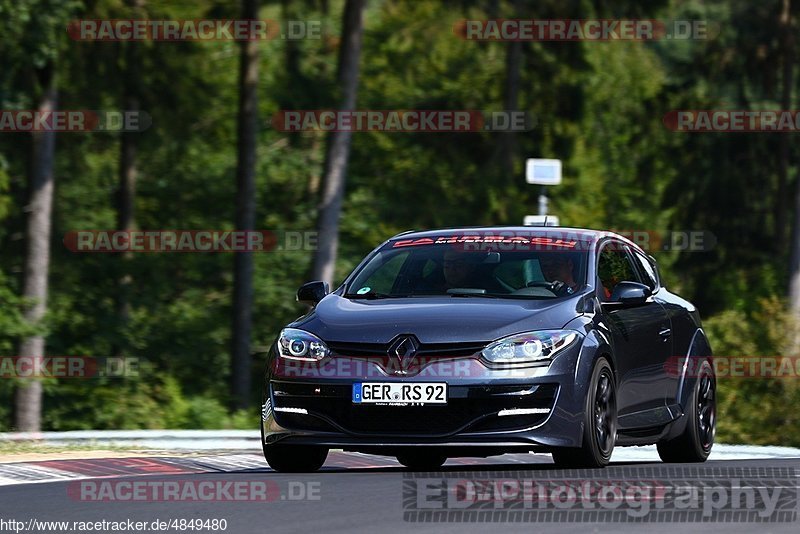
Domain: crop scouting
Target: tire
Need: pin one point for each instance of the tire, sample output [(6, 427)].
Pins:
[(421, 460), (694, 444), (599, 423), (295, 458)]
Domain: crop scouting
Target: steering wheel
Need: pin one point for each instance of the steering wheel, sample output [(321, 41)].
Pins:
[(539, 283), (556, 286)]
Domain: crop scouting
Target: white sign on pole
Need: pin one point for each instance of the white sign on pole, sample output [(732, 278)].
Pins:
[(539, 220), (543, 171)]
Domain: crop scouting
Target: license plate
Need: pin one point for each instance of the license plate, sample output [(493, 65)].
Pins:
[(399, 393)]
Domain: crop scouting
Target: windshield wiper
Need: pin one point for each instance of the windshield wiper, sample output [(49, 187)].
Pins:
[(480, 293), (465, 292), (372, 295)]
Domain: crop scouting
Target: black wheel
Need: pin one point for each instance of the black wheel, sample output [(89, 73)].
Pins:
[(421, 460), (295, 458), (599, 423), (694, 444)]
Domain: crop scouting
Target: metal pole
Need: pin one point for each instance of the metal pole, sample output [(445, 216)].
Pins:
[(543, 201)]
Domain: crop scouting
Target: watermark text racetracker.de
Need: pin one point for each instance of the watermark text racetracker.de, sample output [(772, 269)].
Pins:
[(193, 29), (191, 490), (567, 240), (584, 30), (736, 366), (402, 120), (733, 121), (116, 241), (422, 367), (73, 121), (680, 240), (617, 494), (68, 367)]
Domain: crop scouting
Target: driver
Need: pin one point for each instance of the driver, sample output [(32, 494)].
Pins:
[(460, 270), (558, 270)]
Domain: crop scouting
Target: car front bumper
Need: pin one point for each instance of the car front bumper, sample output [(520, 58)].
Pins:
[(533, 408)]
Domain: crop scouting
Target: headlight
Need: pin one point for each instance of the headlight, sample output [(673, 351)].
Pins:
[(297, 344), (530, 347)]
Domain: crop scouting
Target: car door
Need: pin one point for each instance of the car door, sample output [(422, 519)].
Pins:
[(675, 333), (636, 332)]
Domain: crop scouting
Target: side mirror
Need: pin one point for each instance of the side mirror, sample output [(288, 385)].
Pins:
[(312, 292), (630, 293)]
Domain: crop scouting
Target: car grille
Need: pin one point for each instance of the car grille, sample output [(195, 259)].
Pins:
[(425, 349), (469, 409)]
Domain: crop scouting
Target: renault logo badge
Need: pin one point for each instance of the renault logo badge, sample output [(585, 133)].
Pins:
[(404, 349)]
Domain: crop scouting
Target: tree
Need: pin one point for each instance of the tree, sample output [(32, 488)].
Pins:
[(128, 171), (34, 40), (241, 358), (338, 153), (28, 397)]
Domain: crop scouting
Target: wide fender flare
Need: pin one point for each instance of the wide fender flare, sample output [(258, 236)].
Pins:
[(687, 367), (594, 346)]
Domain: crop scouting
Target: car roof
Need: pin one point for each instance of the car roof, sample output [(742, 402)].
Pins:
[(583, 234)]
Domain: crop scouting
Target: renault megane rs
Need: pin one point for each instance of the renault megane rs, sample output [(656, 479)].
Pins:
[(483, 341)]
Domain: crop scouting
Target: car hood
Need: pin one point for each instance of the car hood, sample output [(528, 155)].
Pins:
[(432, 319)]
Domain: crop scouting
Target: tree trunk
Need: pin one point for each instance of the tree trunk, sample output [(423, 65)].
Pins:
[(339, 145), (127, 172), (794, 264), (241, 359), (787, 53), (126, 196), (28, 396), (291, 48), (126, 192), (508, 140)]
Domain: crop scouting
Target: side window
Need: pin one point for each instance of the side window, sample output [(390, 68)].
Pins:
[(613, 267), (648, 270)]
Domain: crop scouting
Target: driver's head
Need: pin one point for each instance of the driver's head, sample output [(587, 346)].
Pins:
[(459, 268), (557, 267)]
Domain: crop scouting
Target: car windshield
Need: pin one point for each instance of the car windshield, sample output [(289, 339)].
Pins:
[(399, 270)]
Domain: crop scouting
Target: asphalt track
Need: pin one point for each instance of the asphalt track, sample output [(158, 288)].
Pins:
[(360, 493)]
